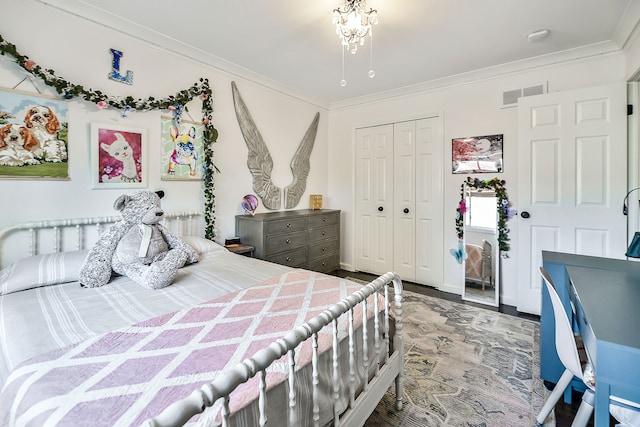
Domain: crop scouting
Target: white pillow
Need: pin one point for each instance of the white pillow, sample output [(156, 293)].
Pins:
[(42, 270), (202, 245)]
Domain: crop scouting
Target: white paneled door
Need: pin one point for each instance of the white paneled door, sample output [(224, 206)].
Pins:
[(572, 163), (374, 199), (404, 196)]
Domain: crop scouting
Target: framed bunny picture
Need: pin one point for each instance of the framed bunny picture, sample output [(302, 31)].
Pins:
[(118, 156)]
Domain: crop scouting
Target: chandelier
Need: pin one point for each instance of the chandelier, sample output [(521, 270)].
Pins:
[(353, 24)]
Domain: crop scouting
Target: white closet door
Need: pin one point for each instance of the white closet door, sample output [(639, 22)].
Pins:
[(429, 210), (572, 150), (374, 199), (404, 195)]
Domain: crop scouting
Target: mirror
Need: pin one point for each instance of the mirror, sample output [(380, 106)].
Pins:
[(481, 266)]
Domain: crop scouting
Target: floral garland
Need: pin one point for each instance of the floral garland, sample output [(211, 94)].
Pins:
[(174, 103), (503, 207)]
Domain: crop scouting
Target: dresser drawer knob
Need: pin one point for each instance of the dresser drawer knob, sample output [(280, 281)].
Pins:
[(324, 249), (324, 233), (288, 241), (324, 219), (288, 259), (324, 264), (288, 224)]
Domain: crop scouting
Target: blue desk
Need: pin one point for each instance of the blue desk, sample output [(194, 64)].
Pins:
[(555, 263), (607, 304)]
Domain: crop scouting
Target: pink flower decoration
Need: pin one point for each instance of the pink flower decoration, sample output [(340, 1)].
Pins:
[(29, 65), (172, 107), (204, 96), (101, 104), (462, 206), (205, 121)]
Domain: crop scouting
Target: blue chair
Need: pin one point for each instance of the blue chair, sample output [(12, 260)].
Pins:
[(627, 413)]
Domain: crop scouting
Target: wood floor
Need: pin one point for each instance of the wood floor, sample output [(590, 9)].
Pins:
[(564, 413)]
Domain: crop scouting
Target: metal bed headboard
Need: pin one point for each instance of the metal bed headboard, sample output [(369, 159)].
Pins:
[(180, 223)]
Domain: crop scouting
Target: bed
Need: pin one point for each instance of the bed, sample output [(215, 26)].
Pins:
[(233, 341)]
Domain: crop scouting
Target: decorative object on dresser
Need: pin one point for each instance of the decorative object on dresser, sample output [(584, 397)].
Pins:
[(300, 238), (249, 204), (315, 201)]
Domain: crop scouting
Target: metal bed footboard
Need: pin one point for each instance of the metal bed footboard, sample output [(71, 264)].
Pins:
[(387, 368)]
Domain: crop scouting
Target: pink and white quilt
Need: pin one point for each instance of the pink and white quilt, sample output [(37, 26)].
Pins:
[(123, 377)]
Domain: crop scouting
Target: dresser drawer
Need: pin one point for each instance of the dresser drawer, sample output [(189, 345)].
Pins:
[(286, 242), (325, 264), (295, 258), (322, 220), (323, 249), (286, 226), (323, 233)]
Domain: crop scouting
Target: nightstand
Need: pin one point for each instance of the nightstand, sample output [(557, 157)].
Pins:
[(240, 249)]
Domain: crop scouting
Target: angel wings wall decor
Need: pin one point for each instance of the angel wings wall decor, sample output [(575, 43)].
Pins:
[(260, 162)]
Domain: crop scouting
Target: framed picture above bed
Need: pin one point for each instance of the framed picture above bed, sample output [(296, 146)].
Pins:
[(118, 156), (33, 136), (182, 150), (477, 154)]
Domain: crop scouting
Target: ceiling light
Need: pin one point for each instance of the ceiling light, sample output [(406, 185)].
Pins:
[(353, 23), (538, 35)]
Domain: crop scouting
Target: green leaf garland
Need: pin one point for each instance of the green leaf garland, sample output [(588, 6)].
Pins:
[(201, 89), (502, 204)]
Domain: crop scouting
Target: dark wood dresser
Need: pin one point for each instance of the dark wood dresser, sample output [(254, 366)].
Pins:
[(300, 238)]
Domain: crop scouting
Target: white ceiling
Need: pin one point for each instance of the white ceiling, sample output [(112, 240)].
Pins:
[(292, 44)]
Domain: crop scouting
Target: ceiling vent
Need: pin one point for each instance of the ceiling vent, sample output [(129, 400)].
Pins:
[(510, 97)]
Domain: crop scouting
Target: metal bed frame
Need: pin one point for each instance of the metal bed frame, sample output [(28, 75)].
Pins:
[(386, 365)]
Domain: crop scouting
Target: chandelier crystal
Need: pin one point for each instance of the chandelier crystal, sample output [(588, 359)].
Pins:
[(353, 23)]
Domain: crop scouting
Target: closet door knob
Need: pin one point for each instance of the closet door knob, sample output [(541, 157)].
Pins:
[(380, 208), (406, 210)]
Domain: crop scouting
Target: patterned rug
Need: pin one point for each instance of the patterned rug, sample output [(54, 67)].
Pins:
[(464, 366)]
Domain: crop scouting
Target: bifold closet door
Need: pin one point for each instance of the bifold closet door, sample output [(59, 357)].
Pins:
[(418, 192), (404, 200), (429, 196), (374, 199)]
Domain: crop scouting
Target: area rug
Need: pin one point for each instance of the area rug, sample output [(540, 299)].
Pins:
[(464, 366)]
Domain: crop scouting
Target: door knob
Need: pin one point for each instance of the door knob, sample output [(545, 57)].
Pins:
[(380, 208), (405, 210), (525, 215)]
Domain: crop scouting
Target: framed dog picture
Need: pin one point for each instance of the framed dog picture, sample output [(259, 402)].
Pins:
[(182, 150), (33, 136), (477, 154), (118, 156)]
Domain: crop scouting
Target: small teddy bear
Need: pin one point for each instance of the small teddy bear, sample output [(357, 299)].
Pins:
[(138, 246)]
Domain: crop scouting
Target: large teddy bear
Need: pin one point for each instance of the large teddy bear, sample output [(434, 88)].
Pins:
[(138, 246)]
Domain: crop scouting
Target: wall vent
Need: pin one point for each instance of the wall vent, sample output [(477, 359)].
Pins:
[(510, 97)]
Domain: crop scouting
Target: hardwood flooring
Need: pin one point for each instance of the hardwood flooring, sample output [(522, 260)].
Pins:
[(564, 412)]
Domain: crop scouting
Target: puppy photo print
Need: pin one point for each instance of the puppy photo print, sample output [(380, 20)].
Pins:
[(182, 150), (33, 136)]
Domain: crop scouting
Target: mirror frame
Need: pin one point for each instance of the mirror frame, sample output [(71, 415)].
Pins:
[(504, 213)]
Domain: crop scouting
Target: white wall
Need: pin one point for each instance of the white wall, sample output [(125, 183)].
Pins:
[(78, 51), (469, 109)]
